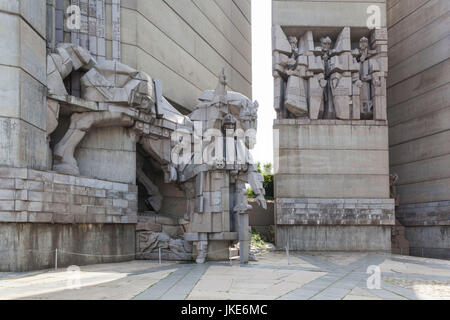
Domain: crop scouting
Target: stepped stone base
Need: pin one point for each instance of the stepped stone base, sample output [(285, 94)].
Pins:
[(334, 224), (31, 246), (334, 238), (399, 243), (41, 211), (427, 228)]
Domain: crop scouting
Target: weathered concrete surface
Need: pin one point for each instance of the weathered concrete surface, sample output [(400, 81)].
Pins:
[(334, 238), (33, 196), (31, 246), (419, 113), (331, 159), (429, 242), (22, 84), (109, 154), (325, 13), (258, 216), (305, 275), (187, 43)]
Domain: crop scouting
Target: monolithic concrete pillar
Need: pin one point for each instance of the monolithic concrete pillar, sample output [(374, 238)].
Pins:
[(23, 84)]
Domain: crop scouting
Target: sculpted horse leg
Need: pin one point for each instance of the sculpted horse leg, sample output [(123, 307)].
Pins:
[(80, 124)]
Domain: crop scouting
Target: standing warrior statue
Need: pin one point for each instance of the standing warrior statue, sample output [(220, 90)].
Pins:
[(220, 206)]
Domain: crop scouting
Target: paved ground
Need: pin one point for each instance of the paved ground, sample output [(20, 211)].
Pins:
[(303, 276)]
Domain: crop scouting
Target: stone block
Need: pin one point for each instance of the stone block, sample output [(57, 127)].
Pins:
[(34, 185), (7, 183), (39, 176), (148, 226), (60, 198), (96, 210), (40, 217), (40, 196), (173, 231), (120, 203), (320, 136), (23, 144), (6, 205), (97, 163), (7, 216), (6, 194), (334, 238)]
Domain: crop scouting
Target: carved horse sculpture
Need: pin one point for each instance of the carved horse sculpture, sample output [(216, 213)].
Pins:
[(125, 98)]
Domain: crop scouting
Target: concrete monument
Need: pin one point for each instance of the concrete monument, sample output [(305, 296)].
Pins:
[(331, 134)]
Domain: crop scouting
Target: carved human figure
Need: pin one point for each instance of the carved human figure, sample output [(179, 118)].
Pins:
[(373, 75), (225, 169), (363, 56), (325, 52), (118, 87), (330, 81), (282, 50), (296, 90)]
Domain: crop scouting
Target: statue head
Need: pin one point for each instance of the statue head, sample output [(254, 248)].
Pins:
[(294, 43), (363, 43), (326, 43)]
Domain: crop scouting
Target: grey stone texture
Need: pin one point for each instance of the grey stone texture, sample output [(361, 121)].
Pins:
[(162, 236), (31, 246), (335, 80), (363, 212), (331, 176), (33, 196), (429, 241), (331, 159), (418, 113), (327, 13), (22, 84), (333, 238), (187, 43)]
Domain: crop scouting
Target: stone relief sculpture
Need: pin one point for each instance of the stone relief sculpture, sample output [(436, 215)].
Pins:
[(124, 97), (330, 81), (393, 181), (171, 249), (120, 96), (220, 198), (155, 198)]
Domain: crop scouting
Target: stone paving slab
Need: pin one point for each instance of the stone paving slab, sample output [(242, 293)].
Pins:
[(303, 276)]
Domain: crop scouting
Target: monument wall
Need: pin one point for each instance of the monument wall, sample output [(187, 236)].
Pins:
[(419, 119), (85, 131), (331, 133), (187, 43), (22, 83)]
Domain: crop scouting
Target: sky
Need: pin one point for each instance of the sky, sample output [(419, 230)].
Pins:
[(262, 78)]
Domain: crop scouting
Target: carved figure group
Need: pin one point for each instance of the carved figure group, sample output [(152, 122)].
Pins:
[(330, 81), (124, 97)]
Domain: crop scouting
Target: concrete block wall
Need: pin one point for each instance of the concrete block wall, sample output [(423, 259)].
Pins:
[(33, 196), (419, 119), (187, 43), (22, 84), (332, 178), (89, 221), (332, 159)]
